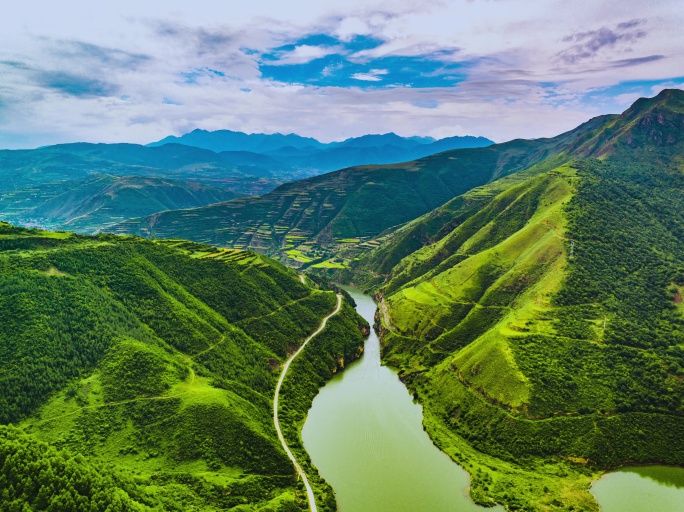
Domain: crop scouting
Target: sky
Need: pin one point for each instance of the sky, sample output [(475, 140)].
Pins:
[(133, 71)]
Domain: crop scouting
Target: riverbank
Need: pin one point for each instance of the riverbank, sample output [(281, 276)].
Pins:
[(338, 344), (309, 491)]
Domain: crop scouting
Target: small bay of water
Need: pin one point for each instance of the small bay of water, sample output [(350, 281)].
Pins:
[(641, 489), (365, 435)]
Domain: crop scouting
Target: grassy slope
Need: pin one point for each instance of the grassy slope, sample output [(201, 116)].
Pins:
[(388, 262), (157, 362), (374, 267), (537, 370), (354, 202)]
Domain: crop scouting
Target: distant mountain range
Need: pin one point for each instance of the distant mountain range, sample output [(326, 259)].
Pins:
[(86, 187), (306, 153)]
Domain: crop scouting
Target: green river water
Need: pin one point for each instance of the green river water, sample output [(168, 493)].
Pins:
[(641, 489), (365, 435)]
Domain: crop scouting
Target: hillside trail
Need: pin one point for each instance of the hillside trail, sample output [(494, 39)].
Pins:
[(286, 367), (556, 230), (120, 402)]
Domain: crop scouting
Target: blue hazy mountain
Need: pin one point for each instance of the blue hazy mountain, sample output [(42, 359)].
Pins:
[(306, 153), (227, 140)]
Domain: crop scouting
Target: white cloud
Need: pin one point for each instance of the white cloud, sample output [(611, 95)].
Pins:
[(374, 75), (350, 27), (306, 53)]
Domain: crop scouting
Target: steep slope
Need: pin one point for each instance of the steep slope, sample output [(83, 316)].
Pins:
[(383, 263), (650, 129), (318, 214), (152, 365), (537, 318), (90, 205)]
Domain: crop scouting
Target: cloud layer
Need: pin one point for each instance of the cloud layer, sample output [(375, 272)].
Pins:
[(502, 69)]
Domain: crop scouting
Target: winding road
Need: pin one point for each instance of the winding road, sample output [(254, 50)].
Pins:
[(300, 471)]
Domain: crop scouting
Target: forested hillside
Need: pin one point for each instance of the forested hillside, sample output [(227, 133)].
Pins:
[(148, 368), (538, 319)]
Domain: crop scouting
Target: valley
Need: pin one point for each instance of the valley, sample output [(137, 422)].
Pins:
[(529, 315), (310, 222)]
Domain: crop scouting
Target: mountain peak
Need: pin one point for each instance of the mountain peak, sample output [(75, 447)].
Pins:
[(669, 99), (377, 139), (671, 95), (649, 123)]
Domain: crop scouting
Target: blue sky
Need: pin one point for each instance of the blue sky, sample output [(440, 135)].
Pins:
[(326, 61), (136, 72)]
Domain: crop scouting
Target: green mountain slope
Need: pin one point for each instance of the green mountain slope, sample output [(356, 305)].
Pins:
[(151, 367), (90, 205), (538, 319), (316, 215)]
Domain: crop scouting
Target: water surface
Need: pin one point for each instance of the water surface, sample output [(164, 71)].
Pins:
[(365, 435), (641, 489)]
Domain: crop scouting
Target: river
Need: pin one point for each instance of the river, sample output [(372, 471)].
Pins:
[(641, 489), (365, 435)]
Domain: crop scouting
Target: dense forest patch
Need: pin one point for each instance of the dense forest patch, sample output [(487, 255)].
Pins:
[(154, 360)]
